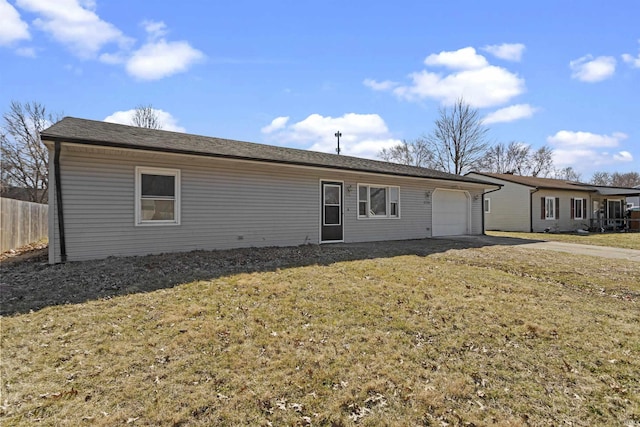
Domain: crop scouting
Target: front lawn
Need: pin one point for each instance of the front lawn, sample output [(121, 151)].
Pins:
[(616, 240), (491, 336)]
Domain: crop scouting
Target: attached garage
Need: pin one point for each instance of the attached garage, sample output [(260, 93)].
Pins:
[(451, 213)]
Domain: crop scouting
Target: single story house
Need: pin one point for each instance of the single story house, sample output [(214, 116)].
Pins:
[(119, 190), (532, 204)]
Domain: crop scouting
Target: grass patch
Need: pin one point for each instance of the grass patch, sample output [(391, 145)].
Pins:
[(497, 335), (615, 240)]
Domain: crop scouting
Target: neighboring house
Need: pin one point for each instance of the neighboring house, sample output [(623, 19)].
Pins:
[(634, 202), (122, 190), (532, 204)]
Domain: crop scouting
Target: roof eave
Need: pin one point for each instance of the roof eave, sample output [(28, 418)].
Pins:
[(98, 143)]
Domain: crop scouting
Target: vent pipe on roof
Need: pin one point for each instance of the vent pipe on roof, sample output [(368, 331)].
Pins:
[(338, 135)]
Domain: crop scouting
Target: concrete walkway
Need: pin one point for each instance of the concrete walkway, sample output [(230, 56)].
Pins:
[(576, 248), (573, 248)]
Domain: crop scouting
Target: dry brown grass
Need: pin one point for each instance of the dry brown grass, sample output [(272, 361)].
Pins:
[(491, 336), (615, 240)]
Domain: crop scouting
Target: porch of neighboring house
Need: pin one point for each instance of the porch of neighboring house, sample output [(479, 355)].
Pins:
[(612, 215)]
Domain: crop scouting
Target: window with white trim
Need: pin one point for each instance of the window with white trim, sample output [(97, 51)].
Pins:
[(487, 205), (377, 201), (157, 196), (578, 208), (549, 208)]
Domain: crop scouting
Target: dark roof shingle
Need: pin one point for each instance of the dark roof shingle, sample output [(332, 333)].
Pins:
[(559, 184), (532, 181), (91, 132)]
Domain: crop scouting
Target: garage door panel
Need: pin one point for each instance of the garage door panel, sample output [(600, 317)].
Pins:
[(450, 211)]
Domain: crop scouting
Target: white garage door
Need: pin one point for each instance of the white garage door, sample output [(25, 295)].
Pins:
[(450, 211)]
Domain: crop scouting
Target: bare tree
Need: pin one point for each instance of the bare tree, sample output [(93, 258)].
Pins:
[(601, 178), (629, 179), (500, 158), (541, 162), (458, 141), (616, 179), (567, 174), (25, 160), (145, 116), (413, 153)]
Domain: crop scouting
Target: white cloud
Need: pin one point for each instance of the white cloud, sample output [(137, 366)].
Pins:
[(75, 24), (630, 59), (586, 150), (462, 59), (506, 51), (158, 58), (12, 27), (363, 135), (276, 124), (623, 156), (155, 29), (167, 121), (566, 138), (510, 114), (482, 87), (586, 160), (591, 70), (472, 78), (375, 85)]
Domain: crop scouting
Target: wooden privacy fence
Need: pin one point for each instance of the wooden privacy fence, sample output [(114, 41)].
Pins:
[(22, 223)]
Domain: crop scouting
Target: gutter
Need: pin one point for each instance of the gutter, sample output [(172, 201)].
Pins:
[(531, 207), (58, 186), (85, 142)]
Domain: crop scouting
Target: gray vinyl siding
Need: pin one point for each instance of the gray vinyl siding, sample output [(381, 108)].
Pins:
[(224, 204), (476, 212), (509, 210), (564, 222)]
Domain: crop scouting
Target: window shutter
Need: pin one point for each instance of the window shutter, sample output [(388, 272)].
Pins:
[(584, 209), (542, 207), (557, 207), (573, 208)]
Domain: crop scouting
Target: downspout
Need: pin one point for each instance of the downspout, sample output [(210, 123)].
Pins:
[(58, 184), (486, 192), (531, 209)]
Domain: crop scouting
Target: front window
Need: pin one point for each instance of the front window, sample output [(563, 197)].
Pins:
[(157, 196), (376, 201), (549, 208), (487, 205), (578, 210)]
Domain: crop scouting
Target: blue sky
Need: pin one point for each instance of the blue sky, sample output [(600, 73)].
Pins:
[(559, 73)]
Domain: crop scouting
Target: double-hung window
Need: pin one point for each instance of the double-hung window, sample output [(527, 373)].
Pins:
[(157, 196), (377, 201), (579, 208), (549, 208)]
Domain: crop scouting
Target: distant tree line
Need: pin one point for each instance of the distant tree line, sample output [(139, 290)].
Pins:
[(616, 179), (459, 144)]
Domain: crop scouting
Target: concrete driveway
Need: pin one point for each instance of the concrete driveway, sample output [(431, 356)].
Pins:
[(573, 248)]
